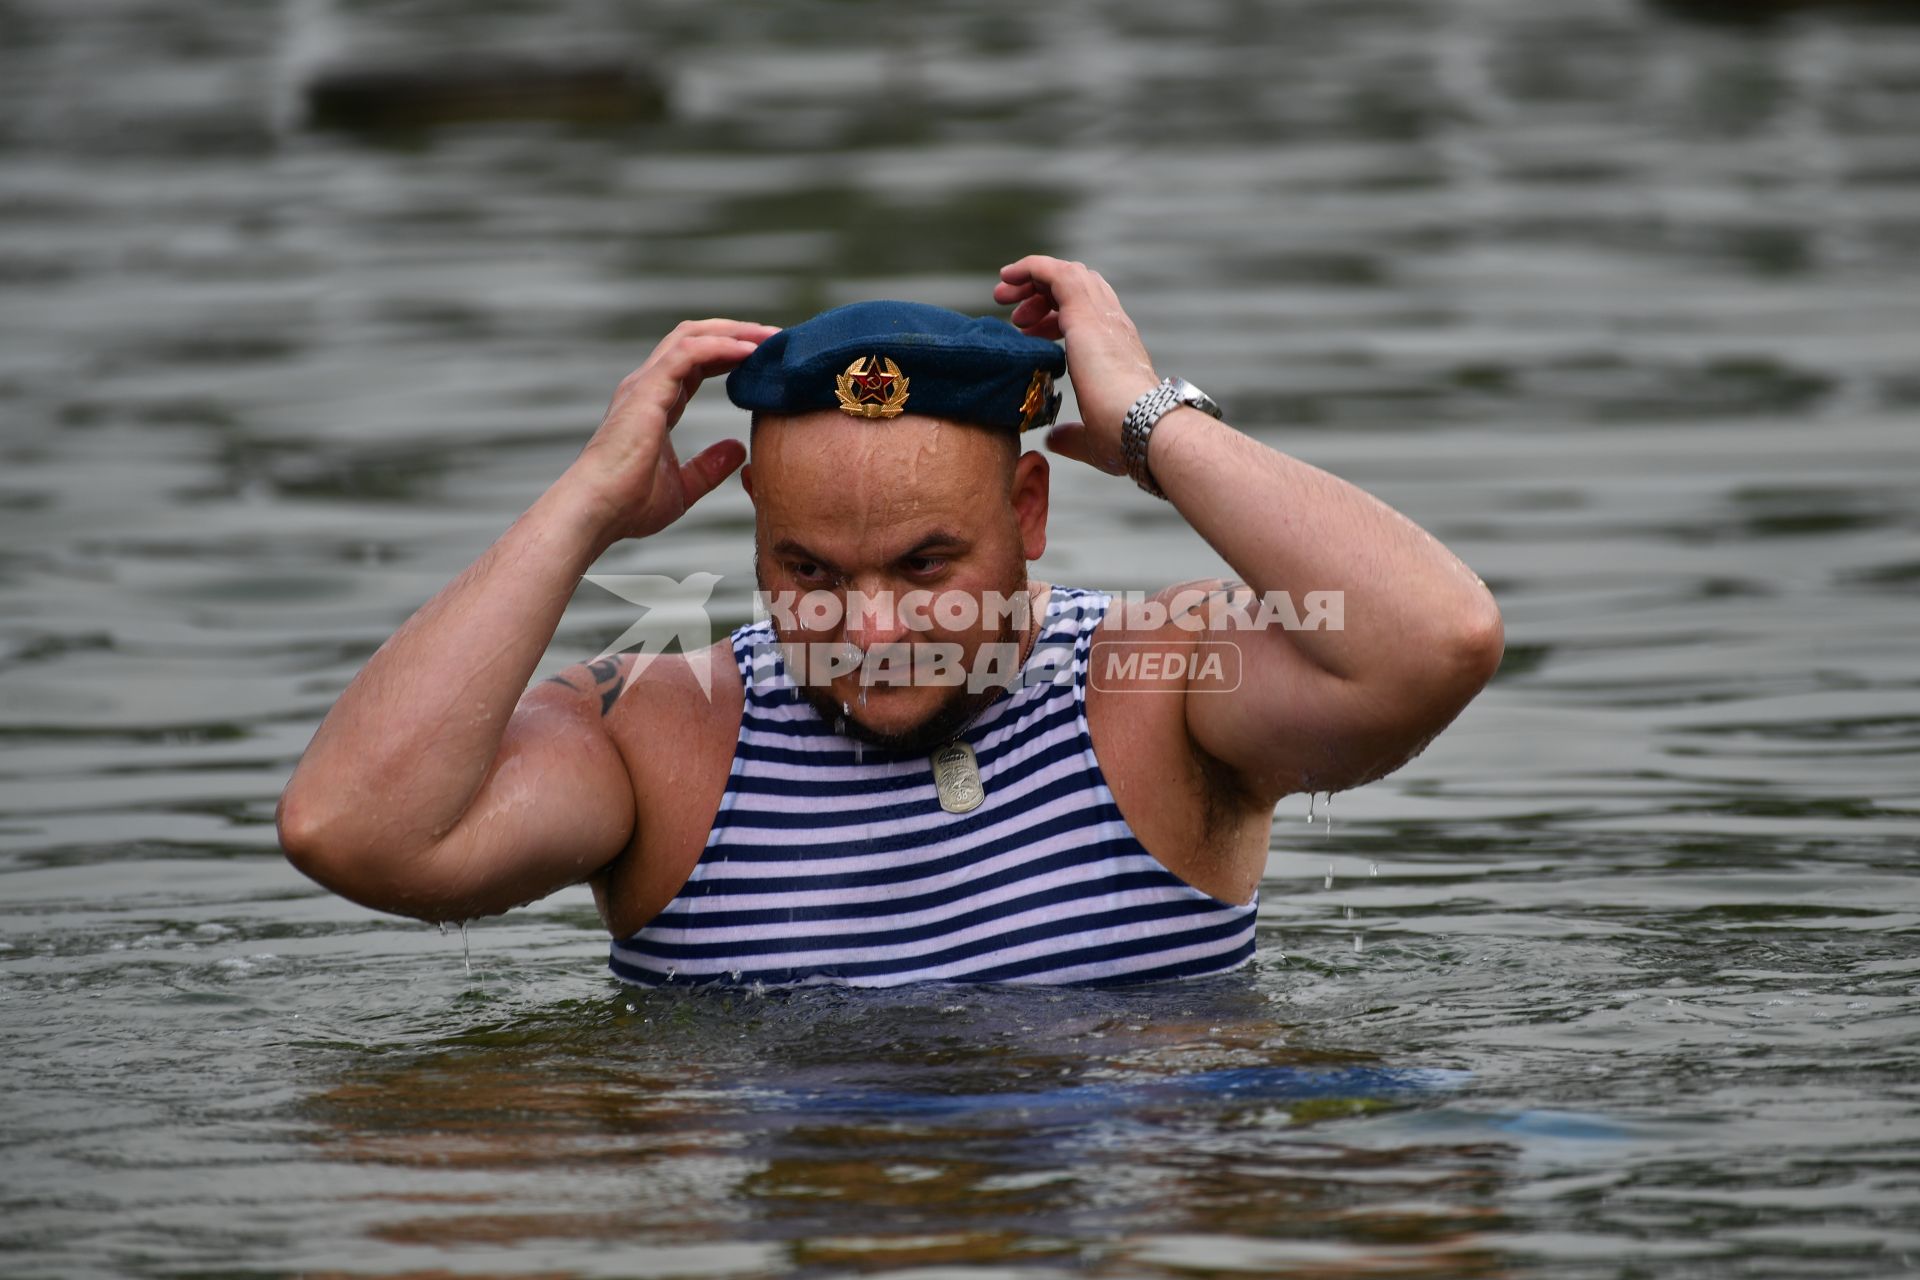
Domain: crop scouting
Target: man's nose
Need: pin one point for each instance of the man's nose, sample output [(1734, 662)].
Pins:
[(873, 618)]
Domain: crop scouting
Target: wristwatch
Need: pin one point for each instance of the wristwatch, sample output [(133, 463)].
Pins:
[(1137, 427)]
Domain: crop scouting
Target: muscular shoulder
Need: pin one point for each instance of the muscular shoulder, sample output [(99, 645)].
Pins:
[(673, 702), (1154, 656), (1186, 807), (1187, 636), (675, 724), (1175, 618)]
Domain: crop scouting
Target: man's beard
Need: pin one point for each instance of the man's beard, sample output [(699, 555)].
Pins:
[(942, 726), (950, 717)]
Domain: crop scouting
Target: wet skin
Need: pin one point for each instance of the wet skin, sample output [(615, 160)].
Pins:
[(453, 798), (842, 505)]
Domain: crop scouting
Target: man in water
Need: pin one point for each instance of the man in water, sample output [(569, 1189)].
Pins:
[(1048, 786)]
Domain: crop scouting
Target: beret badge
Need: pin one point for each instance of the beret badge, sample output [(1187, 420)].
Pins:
[(872, 387), (1042, 404)]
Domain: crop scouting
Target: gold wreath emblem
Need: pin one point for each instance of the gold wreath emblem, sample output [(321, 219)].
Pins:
[(872, 387), (1040, 404)]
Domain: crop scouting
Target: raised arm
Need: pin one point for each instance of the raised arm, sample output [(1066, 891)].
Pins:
[(1316, 710), (440, 786)]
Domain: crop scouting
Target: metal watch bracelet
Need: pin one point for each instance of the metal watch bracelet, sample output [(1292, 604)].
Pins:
[(1137, 428)]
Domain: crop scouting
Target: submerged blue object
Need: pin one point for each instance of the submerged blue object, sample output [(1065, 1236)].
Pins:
[(881, 359), (1276, 1084)]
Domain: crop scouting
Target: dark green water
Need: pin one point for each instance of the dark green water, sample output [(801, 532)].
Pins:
[(1624, 310)]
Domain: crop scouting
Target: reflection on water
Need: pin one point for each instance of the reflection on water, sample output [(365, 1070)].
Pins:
[(858, 1130), (1618, 304)]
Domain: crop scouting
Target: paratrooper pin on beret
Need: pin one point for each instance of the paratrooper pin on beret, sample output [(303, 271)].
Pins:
[(883, 359)]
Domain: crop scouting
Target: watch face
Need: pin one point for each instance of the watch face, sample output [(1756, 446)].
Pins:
[(1188, 394)]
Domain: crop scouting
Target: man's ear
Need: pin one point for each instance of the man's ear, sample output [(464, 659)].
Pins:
[(1031, 479), (746, 479)]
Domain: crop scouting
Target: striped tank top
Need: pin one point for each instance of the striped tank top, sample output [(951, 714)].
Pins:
[(833, 863)]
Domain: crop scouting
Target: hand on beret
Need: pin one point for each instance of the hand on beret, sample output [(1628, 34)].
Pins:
[(1105, 357), (628, 477)]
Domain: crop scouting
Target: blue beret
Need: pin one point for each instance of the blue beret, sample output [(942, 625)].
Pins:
[(883, 359)]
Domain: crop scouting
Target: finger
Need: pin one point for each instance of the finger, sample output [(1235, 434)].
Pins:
[(707, 468), (1048, 273), (1071, 440), (1048, 328), (699, 358), (751, 330), (686, 330), (680, 350), (1008, 294), (1033, 310), (662, 381), (712, 368), (691, 383), (1035, 266)]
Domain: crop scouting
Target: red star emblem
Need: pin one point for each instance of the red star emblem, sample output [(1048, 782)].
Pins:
[(875, 383), (872, 387)]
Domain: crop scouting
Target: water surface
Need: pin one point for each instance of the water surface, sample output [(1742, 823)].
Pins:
[(1622, 309)]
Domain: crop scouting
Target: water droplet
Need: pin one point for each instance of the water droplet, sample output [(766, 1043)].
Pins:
[(1373, 868), (1329, 875), (670, 974), (734, 974), (466, 949), (1310, 799), (1349, 913), (1356, 944), (443, 928), (1329, 830)]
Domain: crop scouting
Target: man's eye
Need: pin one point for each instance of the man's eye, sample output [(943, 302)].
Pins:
[(808, 570), (925, 564)]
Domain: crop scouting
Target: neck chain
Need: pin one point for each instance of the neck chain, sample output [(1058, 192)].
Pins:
[(956, 769)]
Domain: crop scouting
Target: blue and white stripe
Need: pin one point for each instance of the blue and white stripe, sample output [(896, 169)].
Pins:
[(833, 863)]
